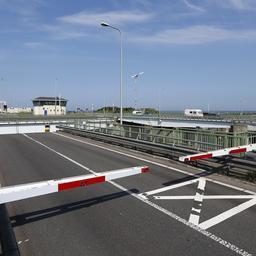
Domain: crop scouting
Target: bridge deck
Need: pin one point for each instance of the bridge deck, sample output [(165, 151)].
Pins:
[(129, 216)]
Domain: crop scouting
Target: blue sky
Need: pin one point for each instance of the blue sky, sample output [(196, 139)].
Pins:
[(192, 52)]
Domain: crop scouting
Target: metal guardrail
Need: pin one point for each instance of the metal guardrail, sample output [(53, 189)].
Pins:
[(238, 117), (69, 116), (231, 165), (26, 122), (51, 120), (199, 139)]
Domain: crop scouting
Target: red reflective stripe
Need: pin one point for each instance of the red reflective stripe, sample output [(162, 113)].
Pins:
[(145, 169), (237, 151), (192, 158), (80, 183)]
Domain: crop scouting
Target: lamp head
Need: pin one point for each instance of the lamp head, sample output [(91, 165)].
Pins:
[(104, 24)]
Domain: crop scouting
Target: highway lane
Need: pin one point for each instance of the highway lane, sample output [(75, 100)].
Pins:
[(104, 220)]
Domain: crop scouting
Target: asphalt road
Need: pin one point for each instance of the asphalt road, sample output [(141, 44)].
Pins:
[(122, 217)]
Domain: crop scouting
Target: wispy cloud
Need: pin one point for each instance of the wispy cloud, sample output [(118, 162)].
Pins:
[(193, 7), (21, 7), (114, 17), (195, 35), (34, 44), (82, 24), (238, 4), (62, 32), (22, 15)]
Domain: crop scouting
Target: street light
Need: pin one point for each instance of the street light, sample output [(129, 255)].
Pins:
[(135, 77), (104, 24)]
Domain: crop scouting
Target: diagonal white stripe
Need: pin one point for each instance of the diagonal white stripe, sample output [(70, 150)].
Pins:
[(153, 192), (227, 214)]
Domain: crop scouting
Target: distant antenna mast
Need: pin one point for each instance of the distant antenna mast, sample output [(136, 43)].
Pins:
[(55, 92), (135, 77), (59, 103)]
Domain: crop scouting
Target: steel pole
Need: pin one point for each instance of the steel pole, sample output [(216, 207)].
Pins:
[(104, 24), (121, 77)]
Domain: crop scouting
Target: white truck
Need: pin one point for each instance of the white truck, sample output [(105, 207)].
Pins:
[(138, 112), (193, 112)]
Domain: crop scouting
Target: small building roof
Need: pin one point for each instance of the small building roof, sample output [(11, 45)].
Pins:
[(49, 99)]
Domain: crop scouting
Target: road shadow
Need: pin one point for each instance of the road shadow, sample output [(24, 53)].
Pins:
[(209, 171), (8, 241), (30, 217)]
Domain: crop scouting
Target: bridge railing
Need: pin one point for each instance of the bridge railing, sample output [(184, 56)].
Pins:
[(202, 140)]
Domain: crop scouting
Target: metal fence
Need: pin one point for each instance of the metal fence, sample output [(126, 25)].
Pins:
[(198, 139), (219, 116)]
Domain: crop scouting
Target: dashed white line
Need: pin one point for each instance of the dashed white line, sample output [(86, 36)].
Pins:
[(198, 199), (201, 184), (22, 242), (215, 238)]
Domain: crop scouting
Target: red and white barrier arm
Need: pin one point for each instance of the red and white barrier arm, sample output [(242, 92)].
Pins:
[(19, 192), (221, 152)]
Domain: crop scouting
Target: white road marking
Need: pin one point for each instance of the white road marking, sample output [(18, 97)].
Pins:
[(201, 184), (196, 210), (204, 197), (21, 242), (174, 197), (193, 218), (156, 191), (198, 199), (156, 163), (227, 214), (58, 153), (208, 234)]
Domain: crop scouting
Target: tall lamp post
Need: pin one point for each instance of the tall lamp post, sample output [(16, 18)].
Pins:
[(104, 24), (135, 77)]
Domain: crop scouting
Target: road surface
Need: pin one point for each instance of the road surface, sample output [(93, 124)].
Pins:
[(167, 211)]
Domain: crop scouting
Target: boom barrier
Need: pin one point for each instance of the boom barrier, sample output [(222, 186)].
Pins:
[(216, 153), (24, 191)]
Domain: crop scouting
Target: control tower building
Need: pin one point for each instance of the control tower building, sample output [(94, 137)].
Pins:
[(49, 106)]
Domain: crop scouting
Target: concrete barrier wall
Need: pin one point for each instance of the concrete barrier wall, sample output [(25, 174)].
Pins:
[(25, 128)]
